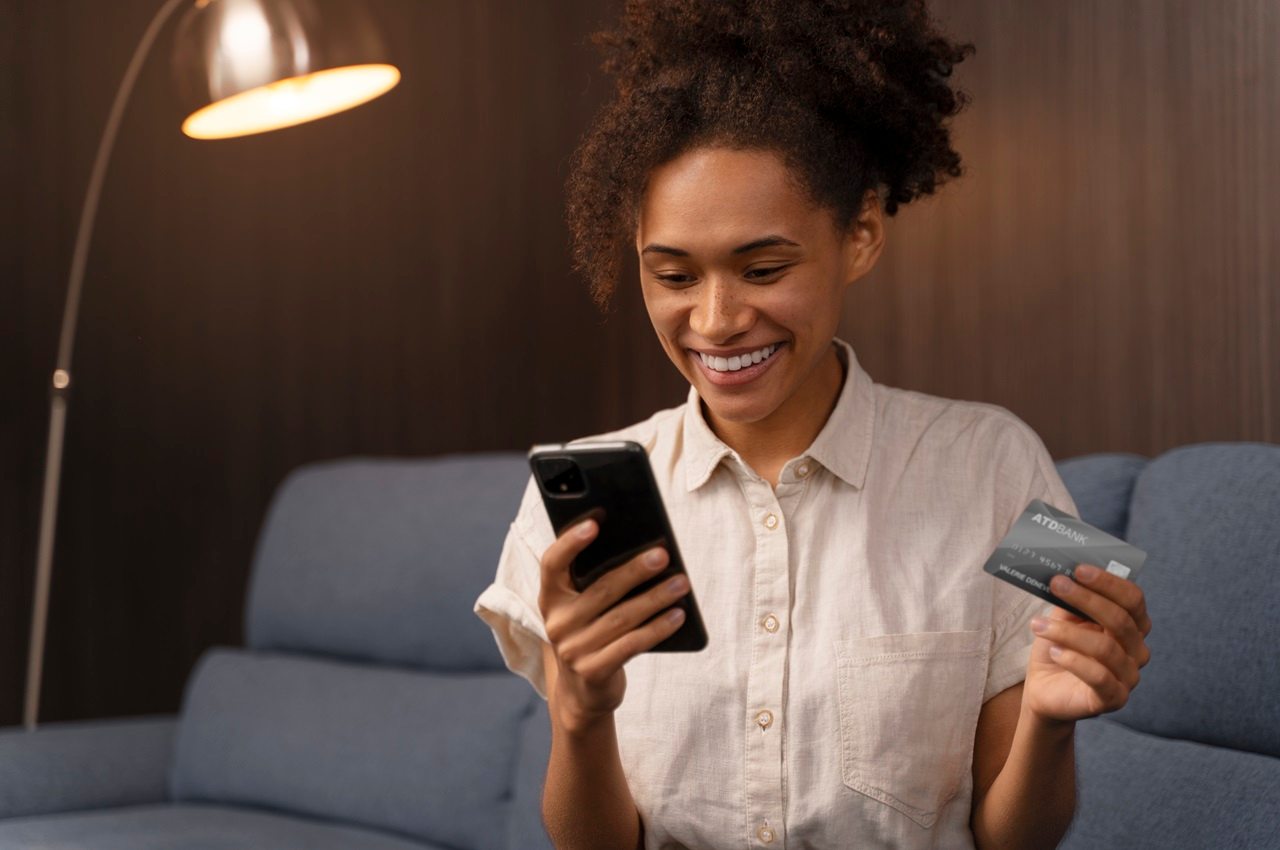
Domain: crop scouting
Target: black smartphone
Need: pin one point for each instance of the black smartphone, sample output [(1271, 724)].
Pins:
[(613, 482)]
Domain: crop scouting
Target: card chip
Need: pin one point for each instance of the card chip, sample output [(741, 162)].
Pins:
[(1117, 568)]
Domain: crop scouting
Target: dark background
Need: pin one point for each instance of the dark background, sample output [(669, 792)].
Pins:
[(394, 280)]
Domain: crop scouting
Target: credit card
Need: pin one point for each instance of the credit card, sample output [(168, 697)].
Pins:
[(1046, 541)]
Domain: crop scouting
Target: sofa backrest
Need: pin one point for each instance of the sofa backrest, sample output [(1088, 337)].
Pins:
[(381, 559), (369, 692), (1207, 516), (1193, 759)]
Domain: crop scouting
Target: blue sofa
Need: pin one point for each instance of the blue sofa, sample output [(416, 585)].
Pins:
[(370, 709)]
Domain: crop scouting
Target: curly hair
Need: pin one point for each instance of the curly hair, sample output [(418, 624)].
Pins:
[(851, 94)]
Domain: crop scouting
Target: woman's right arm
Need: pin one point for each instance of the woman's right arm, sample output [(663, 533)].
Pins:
[(585, 776), (586, 804)]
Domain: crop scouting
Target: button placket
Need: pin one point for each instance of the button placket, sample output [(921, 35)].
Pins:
[(771, 592)]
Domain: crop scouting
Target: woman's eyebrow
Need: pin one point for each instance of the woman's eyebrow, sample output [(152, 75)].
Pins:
[(762, 242)]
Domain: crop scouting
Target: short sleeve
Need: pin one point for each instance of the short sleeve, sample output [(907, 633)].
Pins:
[(1013, 607), (509, 605)]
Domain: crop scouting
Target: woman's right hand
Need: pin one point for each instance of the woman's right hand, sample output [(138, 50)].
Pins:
[(590, 638)]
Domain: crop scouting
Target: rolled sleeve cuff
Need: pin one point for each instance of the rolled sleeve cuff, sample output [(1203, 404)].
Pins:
[(518, 631)]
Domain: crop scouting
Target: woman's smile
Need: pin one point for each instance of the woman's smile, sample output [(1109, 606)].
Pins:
[(738, 369)]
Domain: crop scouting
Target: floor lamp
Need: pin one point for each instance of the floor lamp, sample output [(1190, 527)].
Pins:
[(248, 66)]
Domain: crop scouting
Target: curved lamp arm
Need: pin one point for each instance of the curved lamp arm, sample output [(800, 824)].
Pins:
[(62, 375)]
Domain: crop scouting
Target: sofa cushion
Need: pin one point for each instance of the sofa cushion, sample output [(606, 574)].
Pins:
[(187, 827), (1205, 514), (380, 559), (85, 765), (1144, 792), (430, 756), (525, 829), (1101, 485)]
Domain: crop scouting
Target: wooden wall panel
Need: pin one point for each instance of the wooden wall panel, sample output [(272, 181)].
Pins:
[(1108, 269), (394, 281), (15, 424)]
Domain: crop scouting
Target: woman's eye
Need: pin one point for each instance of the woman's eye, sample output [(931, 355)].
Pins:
[(764, 272), (751, 274)]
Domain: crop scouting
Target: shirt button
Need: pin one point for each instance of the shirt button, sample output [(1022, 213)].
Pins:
[(770, 521), (802, 470), (765, 833), (770, 624), (765, 719)]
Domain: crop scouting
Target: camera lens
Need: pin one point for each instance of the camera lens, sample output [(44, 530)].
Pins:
[(561, 477)]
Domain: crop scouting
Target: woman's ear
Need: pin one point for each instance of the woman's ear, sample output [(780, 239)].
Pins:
[(864, 239)]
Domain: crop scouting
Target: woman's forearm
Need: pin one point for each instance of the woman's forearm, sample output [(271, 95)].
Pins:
[(1031, 802), (586, 803)]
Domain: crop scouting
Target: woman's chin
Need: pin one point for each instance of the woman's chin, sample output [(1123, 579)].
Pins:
[(739, 405), (740, 411)]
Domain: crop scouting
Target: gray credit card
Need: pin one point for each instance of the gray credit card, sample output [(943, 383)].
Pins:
[(1046, 541)]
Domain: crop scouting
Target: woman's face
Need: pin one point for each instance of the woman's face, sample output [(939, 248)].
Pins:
[(735, 263)]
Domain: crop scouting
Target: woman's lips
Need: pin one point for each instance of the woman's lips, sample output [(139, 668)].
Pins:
[(742, 376)]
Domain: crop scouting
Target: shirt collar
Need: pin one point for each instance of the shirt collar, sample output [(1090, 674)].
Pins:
[(843, 445)]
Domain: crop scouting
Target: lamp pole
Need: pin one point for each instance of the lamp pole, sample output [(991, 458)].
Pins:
[(61, 387), (267, 64)]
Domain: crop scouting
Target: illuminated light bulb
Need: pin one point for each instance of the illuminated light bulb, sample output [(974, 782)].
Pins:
[(291, 101)]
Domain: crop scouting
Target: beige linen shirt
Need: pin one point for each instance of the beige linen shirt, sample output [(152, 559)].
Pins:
[(853, 635)]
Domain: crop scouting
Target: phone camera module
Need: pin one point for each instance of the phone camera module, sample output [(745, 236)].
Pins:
[(560, 476)]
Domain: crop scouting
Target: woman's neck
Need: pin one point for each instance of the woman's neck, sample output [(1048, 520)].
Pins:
[(766, 445)]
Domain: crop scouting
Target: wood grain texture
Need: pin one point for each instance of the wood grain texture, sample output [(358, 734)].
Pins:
[(395, 280), (1107, 269)]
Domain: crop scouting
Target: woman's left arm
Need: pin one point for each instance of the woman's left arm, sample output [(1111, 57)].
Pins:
[(1077, 669)]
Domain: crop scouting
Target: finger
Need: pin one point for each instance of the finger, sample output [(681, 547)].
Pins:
[(1057, 613), (1102, 609), (624, 617), (606, 591), (576, 613), (601, 664), (1110, 690), (556, 584), (1122, 591), (1099, 645)]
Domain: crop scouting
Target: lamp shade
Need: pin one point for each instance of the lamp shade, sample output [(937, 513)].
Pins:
[(249, 66)]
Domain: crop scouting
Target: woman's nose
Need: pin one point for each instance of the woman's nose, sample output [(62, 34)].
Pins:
[(719, 313)]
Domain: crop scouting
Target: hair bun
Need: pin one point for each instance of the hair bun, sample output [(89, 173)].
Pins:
[(855, 93), (822, 48)]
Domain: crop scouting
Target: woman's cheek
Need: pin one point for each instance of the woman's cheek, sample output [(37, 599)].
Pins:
[(664, 315)]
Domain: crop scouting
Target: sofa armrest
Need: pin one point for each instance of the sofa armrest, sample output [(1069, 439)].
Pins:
[(63, 767)]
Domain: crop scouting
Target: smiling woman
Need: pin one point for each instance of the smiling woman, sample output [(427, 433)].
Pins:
[(775, 298), (863, 679)]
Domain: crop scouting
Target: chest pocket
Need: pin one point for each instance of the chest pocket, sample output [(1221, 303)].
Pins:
[(909, 707)]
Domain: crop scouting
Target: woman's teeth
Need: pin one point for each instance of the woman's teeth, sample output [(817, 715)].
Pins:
[(733, 364)]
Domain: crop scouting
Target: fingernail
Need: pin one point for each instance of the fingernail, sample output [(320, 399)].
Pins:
[(1060, 584), (678, 584), (1086, 572), (675, 615), (654, 558), (1055, 651), (587, 529), (1038, 624)]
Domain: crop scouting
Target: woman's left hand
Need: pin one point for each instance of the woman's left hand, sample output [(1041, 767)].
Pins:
[(1095, 665)]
